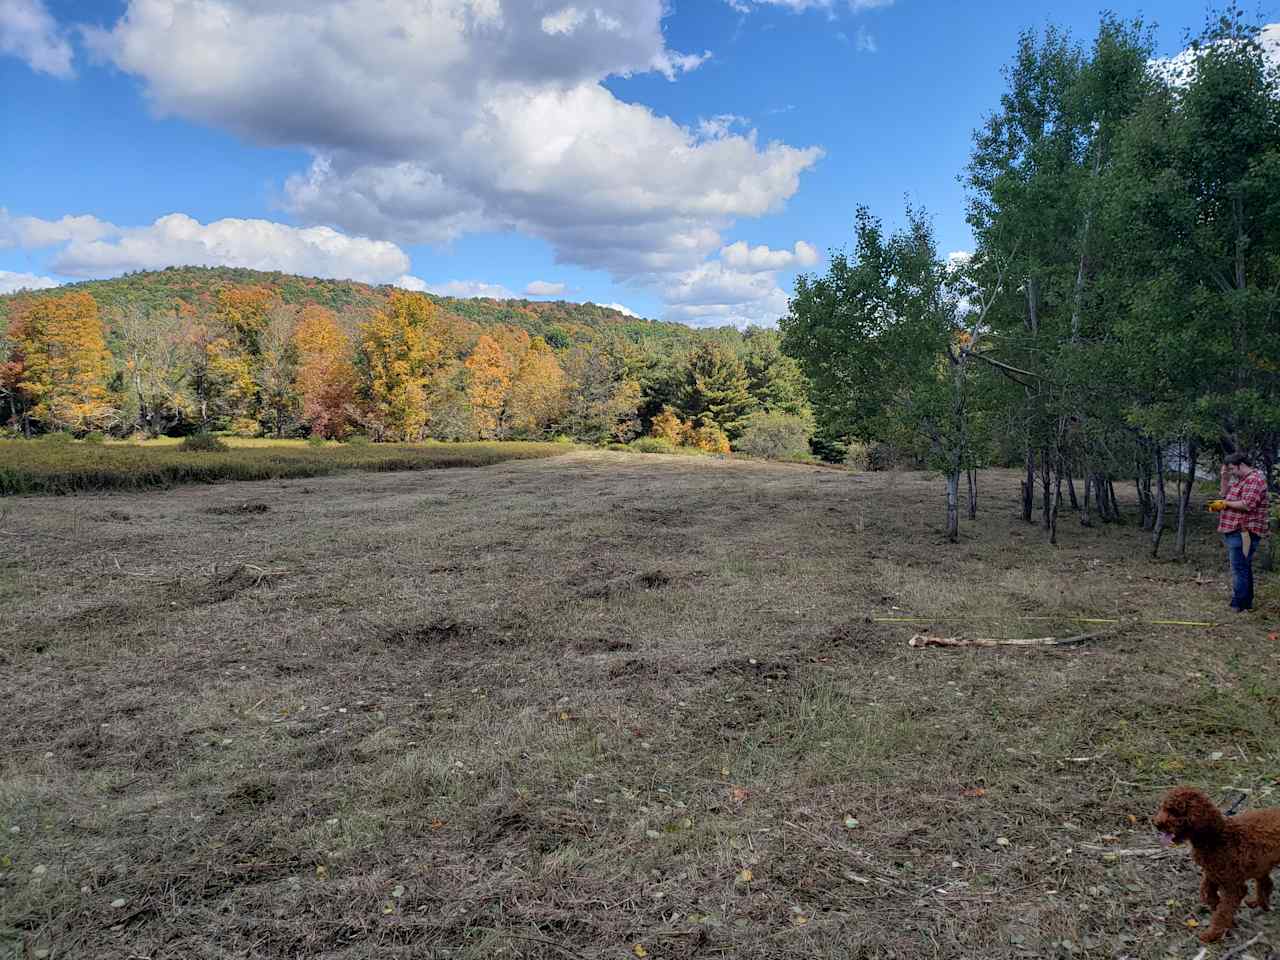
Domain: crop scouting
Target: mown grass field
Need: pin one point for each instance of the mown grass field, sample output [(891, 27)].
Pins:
[(52, 467), (600, 707)]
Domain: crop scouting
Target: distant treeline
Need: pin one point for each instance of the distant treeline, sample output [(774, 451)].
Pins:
[(214, 349)]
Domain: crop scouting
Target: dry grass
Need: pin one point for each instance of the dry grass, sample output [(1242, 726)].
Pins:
[(557, 708), (56, 466)]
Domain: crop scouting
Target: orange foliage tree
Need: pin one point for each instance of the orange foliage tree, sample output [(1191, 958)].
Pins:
[(489, 386), (668, 426), (62, 362), (327, 378)]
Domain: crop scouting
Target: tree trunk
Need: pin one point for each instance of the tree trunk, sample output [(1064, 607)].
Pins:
[(953, 506), (1184, 496), (1157, 528), (1085, 519), (1114, 501), (1029, 487), (973, 494), (1057, 502), (1046, 481), (1071, 492)]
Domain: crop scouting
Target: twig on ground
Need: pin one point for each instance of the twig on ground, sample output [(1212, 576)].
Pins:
[(929, 640), (1153, 852)]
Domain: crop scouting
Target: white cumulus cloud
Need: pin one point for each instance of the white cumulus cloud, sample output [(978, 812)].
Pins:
[(428, 121), (1180, 68), (800, 6), (624, 310), (466, 289), (740, 256), (89, 247), (11, 282), (29, 32), (544, 288)]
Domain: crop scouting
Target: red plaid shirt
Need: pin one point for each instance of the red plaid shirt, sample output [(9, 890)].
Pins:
[(1252, 489)]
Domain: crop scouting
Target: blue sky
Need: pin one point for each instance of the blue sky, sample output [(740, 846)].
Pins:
[(684, 160)]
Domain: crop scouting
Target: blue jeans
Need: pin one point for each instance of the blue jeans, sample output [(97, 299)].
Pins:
[(1241, 569)]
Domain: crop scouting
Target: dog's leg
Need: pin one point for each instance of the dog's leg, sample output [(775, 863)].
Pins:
[(1208, 892), (1263, 900), (1224, 915)]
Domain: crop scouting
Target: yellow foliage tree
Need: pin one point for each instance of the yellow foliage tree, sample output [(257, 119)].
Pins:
[(327, 378), (406, 350), (246, 312), (219, 377), (489, 370), (64, 362), (538, 390)]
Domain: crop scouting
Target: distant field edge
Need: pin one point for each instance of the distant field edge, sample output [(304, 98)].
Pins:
[(36, 468)]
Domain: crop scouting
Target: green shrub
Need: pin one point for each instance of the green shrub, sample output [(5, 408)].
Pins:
[(316, 442), (203, 443), (95, 436), (651, 445), (775, 436), (357, 440), (58, 436)]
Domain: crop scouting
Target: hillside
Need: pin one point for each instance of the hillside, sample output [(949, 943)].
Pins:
[(560, 323), (271, 354)]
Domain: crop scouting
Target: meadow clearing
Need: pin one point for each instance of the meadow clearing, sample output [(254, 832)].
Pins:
[(605, 706)]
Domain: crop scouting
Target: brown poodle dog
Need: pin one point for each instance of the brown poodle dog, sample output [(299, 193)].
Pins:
[(1229, 850)]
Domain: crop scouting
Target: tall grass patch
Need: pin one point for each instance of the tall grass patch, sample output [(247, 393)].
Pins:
[(28, 467)]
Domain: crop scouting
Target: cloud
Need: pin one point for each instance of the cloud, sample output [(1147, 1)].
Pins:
[(739, 256), (29, 32), (1179, 70), (465, 289), (866, 43), (714, 294), (800, 6), (544, 288), (625, 311), (427, 122), (94, 248), (11, 282)]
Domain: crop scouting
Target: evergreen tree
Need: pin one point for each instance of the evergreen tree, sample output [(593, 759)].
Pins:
[(714, 389)]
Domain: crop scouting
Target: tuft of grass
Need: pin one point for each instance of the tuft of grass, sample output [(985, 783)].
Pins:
[(203, 443), (52, 467)]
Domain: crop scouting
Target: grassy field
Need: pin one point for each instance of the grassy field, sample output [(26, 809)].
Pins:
[(48, 466), (600, 707)]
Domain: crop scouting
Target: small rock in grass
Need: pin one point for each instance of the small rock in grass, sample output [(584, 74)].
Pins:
[(117, 903), (40, 871)]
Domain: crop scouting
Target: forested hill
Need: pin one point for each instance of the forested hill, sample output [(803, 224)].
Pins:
[(196, 289), (215, 349)]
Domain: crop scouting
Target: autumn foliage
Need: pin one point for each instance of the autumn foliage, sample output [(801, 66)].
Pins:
[(184, 351), (59, 363)]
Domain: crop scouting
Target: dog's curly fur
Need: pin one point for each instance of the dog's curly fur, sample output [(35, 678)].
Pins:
[(1230, 851)]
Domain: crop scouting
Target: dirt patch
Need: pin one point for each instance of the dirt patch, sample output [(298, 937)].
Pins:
[(238, 509)]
